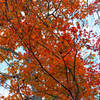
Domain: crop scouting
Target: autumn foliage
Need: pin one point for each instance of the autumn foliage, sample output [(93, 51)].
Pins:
[(52, 37)]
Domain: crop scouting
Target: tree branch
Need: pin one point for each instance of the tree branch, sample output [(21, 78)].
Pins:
[(10, 50)]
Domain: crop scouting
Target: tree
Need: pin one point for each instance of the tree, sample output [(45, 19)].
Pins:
[(53, 65)]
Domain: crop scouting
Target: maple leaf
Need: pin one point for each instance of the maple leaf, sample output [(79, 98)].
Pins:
[(52, 65)]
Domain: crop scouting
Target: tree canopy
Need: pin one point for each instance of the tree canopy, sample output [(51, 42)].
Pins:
[(52, 36)]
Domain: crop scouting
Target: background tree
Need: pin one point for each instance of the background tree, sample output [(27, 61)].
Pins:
[(52, 36)]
